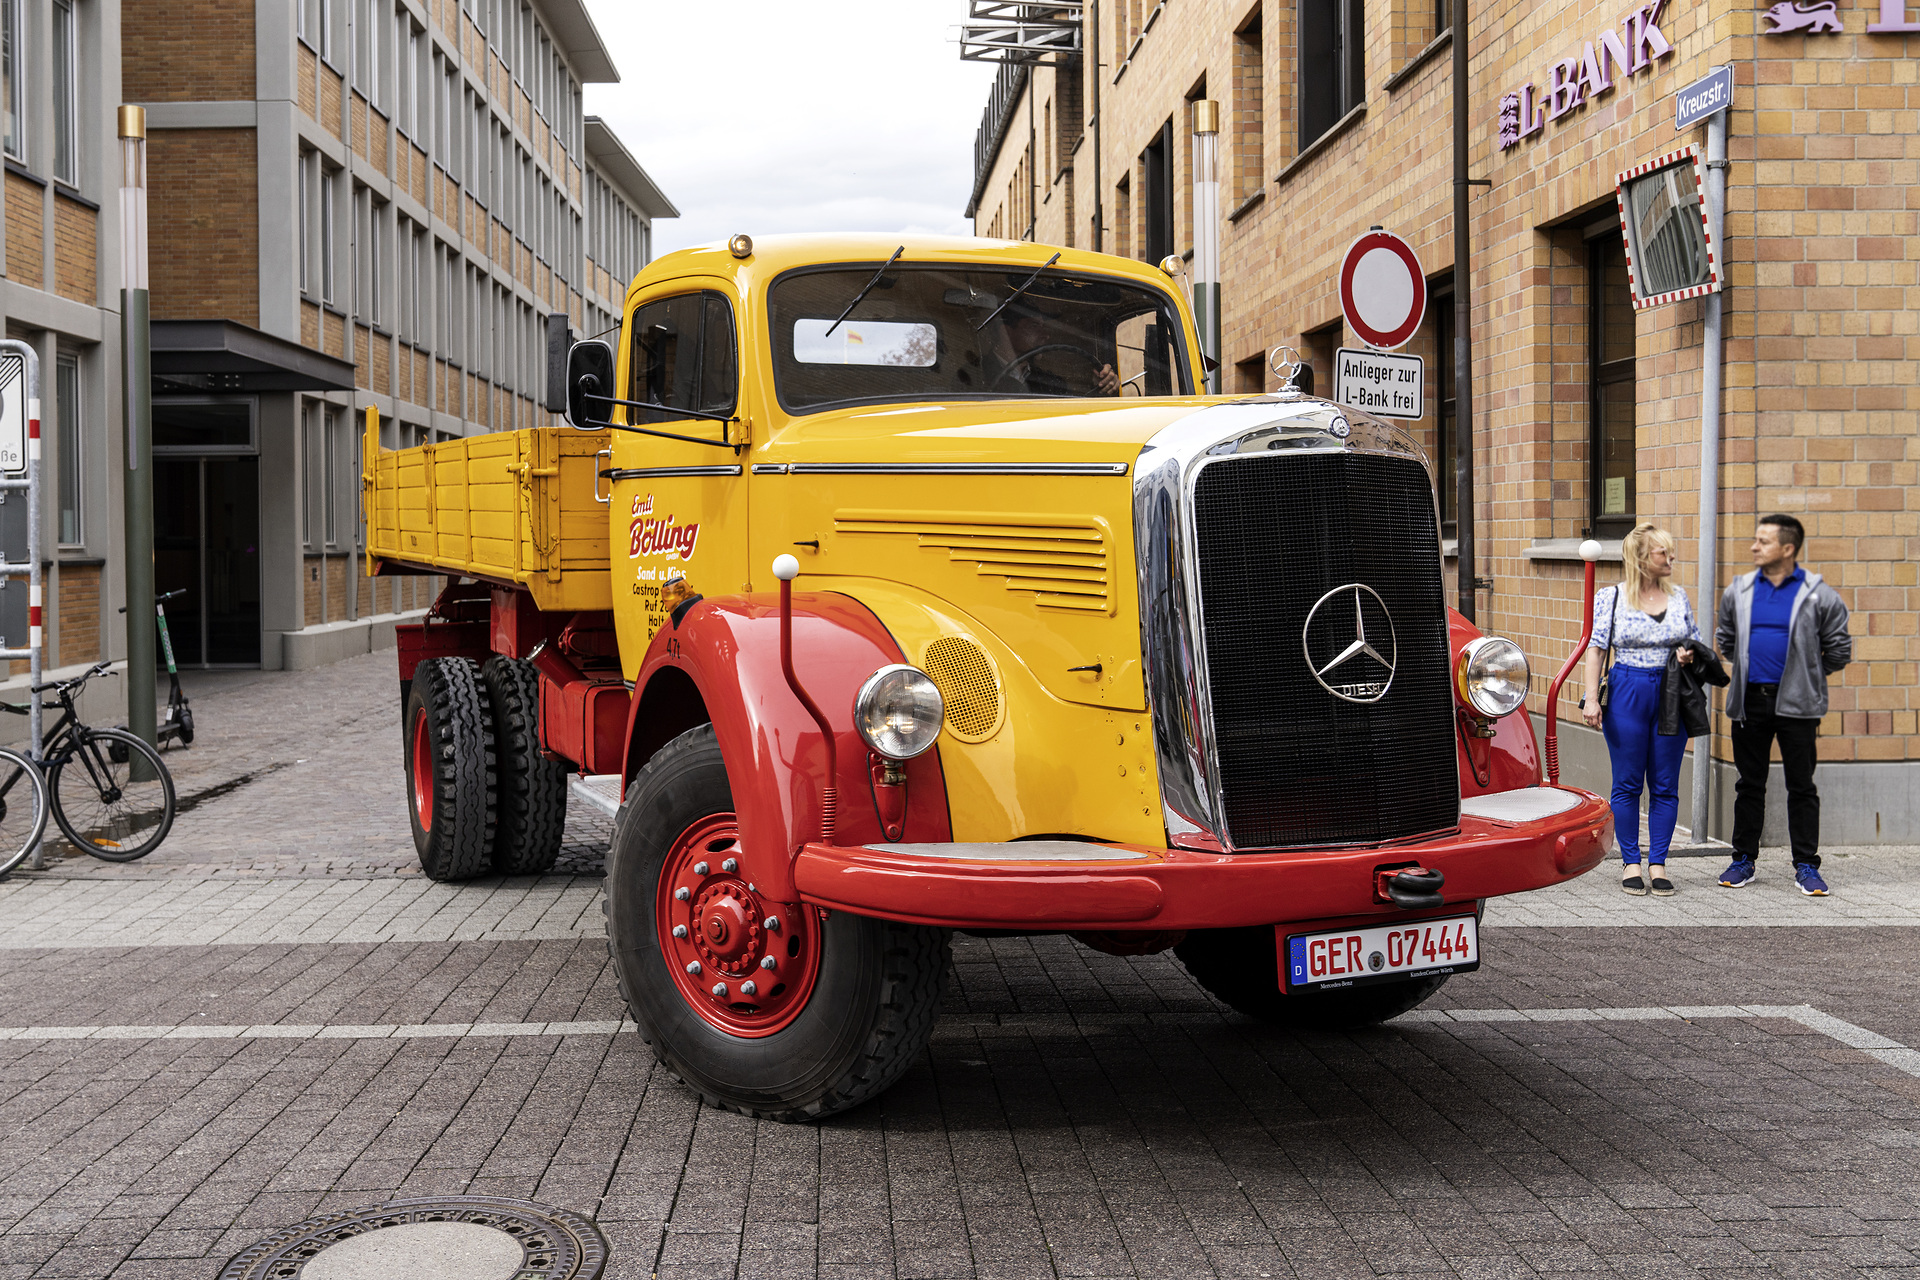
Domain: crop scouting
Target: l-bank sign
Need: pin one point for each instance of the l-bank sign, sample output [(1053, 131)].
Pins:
[(1586, 73)]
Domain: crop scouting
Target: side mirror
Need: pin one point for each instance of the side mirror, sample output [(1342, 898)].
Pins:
[(559, 341), (589, 373)]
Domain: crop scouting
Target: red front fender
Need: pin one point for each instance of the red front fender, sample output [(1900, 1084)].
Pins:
[(730, 651)]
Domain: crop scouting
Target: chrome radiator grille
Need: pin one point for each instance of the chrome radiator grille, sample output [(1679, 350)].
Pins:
[(1295, 763)]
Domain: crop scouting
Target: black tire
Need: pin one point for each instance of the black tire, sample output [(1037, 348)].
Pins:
[(1242, 968), (531, 805), (874, 999), (101, 809), (449, 751)]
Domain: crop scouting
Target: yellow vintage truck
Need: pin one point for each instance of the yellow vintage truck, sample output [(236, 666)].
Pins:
[(905, 587)]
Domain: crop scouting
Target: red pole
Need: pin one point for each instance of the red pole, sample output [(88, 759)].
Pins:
[(786, 568), (1589, 551)]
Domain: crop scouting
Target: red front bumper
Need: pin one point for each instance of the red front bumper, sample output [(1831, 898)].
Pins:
[(1147, 888)]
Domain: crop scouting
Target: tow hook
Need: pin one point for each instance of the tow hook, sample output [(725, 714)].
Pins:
[(1410, 888)]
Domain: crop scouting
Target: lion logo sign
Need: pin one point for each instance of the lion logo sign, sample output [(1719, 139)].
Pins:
[(1814, 19)]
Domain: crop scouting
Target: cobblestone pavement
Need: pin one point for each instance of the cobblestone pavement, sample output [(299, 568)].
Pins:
[(278, 1017)]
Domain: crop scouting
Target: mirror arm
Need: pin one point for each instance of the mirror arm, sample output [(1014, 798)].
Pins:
[(661, 408), (664, 435)]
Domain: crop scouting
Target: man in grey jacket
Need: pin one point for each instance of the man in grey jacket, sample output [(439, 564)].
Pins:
[(1783, 631)]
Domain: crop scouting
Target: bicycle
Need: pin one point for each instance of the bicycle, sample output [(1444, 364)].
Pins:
[(177, 724), (20, 837), (92, 785)]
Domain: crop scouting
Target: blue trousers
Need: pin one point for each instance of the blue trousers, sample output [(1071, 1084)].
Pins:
[(1642, 759)]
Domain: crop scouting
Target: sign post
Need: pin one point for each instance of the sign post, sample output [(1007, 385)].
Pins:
[(20, 538), (137, 404)]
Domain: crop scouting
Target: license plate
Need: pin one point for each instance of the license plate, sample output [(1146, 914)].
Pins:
[(1384, 953)]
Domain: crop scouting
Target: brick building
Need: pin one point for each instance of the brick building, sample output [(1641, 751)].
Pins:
[(1337, 116), (60, 291), (353, 203)]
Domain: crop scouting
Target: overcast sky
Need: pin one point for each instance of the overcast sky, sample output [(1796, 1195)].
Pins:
[(766, 116)]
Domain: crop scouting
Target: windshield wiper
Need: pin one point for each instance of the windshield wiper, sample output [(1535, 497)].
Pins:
[(1016, 293), (864, 292)]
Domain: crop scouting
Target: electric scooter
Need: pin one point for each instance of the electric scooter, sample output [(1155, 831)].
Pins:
[(177, 724)]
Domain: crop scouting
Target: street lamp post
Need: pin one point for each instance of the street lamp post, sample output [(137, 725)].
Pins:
[(137, 399), (1206, 233)]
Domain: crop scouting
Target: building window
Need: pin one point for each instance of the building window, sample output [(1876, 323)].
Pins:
[(1332, 64), (1156, 164), (12, 68), (66, 91), (376, 226), (309, 446), (328, 184), (1611, 445), (301, 168), (1248, 139), (330, 477), (326, 30), (66, 395)]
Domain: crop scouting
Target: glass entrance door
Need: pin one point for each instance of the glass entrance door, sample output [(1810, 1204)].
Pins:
[(206, 539)]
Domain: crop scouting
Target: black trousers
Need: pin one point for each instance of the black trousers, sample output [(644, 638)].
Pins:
[(1753, 740)]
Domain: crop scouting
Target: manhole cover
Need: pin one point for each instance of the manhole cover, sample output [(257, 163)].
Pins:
[(440, 1238)]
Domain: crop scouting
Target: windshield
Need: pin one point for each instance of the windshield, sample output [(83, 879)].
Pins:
[(944, 333)]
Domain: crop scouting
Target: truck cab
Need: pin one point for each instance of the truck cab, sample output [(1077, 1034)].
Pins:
[(928, 594)]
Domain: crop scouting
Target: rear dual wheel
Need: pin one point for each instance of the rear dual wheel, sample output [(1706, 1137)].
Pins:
[(481, 794), (776, 1010)]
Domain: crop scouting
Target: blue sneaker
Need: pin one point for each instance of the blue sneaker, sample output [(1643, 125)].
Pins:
[(1810, 882), (1739, 875)]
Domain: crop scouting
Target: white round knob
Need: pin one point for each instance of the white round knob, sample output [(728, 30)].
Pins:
[(786, 568), (1589, 550)]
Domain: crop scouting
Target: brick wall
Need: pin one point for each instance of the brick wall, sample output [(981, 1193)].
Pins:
[(79, 605), (197, 51), (26, 232), (75, 250), (203, 224), (1822, 402)]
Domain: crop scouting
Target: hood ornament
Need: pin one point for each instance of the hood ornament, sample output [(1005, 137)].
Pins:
[(1286, 362)]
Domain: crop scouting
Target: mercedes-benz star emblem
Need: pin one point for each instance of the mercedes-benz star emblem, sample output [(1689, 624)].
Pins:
[(1330, 613)]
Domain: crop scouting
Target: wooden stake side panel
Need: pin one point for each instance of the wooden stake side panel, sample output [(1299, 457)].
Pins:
[(512, 507)]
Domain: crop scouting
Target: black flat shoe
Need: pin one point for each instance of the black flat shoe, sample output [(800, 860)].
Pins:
[(1662, 887), (1632, 883)]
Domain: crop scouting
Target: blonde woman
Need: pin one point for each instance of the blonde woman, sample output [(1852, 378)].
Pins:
[(1638, 625)]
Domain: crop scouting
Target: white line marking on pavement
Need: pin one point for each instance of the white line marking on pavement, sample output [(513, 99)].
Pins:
[(280, 1031), (1871, 1043)]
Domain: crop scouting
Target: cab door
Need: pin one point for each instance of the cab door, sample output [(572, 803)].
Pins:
[(678, 506)]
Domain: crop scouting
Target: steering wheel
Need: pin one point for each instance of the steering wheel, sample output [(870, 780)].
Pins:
[(1094, 361)]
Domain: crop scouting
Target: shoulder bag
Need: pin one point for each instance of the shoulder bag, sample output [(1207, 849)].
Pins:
[(1613, 634)]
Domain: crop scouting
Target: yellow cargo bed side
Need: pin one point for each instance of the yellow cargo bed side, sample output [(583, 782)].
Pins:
[(516, 508)]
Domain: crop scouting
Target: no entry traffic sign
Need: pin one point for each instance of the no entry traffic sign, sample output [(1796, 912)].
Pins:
[(1383, 292)]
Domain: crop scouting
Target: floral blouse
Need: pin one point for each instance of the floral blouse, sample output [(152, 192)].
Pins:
[(1643, 640)]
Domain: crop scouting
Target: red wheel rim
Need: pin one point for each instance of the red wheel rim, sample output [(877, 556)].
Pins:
[(422, 772), (716, 939)]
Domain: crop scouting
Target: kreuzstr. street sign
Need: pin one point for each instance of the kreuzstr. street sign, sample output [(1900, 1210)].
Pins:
[(1388, 386), (1710, 93)]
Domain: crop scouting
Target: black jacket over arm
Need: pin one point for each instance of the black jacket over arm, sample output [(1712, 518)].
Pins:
[(1683, 694)]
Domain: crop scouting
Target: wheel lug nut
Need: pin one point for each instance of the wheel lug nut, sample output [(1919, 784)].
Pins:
[(693, 967), (679, 931), (748, 989), (773, 923), (768, 962), (699, 868), (731, 864), (720, 990), (681, 895)]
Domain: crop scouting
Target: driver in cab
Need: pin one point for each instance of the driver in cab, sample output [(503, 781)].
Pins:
[(1026, 340)]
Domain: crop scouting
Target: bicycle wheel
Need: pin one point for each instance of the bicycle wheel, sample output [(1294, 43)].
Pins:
[(99, 806), (23, 808)]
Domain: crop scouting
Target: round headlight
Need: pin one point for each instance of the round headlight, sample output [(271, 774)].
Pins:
[(898, 711), (1493, 676)]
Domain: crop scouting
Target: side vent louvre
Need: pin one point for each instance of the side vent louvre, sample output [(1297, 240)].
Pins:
[(1062, 561), (969, 685)]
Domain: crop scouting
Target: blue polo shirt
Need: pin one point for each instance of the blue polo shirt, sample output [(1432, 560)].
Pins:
[(1767, 627)]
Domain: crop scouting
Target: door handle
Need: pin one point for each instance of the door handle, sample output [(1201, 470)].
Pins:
[(598, 474)]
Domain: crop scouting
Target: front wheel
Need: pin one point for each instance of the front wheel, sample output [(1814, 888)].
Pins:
[(776, 1010), (112, 795), (23, 808), (1242, 967)]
